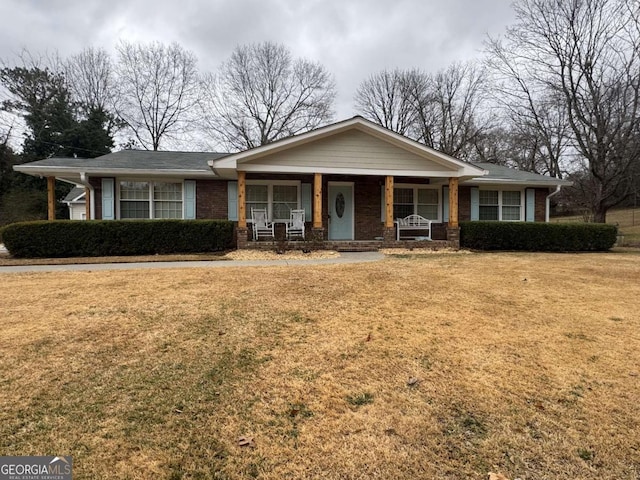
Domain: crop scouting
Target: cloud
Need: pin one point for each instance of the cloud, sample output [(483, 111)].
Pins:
[(351, 38)]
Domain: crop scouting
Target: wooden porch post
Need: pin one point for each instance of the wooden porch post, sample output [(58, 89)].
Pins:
[(242, 213), (317, 200), (388, 197), (87, 205), (453, 202), (51, 198)]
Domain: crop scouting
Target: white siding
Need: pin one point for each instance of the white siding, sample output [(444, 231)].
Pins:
[(77, 211), (352, 149)]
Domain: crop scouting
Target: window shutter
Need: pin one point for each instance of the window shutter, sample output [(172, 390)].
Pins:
[(531, 205), (475, 203), (108, 199), (232, 201), (383, 202), (305, 199), (189, 199), (445, 204)]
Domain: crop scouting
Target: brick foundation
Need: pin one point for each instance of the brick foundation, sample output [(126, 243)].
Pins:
[(388, 235), (453, 236), (242, 237)]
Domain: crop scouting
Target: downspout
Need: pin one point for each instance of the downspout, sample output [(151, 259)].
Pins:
[(84, 180), (548, 203)]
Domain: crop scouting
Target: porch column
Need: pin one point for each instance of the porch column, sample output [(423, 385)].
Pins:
[(242, 212), (388, 198), (51, 198), (87, 206), (242, 233), (317, 200), (453, 229), (389, 232), (453, 202)]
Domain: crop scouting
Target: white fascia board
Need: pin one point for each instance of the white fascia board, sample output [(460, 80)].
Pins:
[(226, 173), (111, 172), (525, 183)]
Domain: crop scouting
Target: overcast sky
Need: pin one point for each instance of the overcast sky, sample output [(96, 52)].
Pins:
[(351, 38)]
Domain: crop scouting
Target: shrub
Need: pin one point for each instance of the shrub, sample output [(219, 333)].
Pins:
[(95, 238), (540, 237)]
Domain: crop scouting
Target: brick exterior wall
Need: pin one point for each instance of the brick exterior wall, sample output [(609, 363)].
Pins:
[(211, 199), (367, 197), (464, 204)]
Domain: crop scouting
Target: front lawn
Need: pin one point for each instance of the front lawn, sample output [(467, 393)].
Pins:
[(446, 366)]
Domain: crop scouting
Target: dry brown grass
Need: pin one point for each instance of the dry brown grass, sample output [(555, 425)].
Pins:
[(7, 260), (526, 364)]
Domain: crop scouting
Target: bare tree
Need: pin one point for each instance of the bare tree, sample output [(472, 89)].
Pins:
[(438, 110), (90, 78), (537, 114), (448, 110), (158, 89), (261, 94), (586, 54), (386, 98)]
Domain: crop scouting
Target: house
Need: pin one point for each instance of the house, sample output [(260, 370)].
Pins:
[(75, 201), (352, 178)]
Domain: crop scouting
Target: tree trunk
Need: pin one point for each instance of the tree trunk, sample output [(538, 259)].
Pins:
[(600, 214)]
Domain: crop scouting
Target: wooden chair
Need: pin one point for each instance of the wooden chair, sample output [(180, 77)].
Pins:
[(262, 227), (295, 225)]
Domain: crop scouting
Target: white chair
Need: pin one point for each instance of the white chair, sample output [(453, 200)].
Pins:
[(295, 225), (262, 227)]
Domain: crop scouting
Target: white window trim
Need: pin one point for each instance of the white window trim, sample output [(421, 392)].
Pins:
[(500, 190), (270, 184), (416, 186), (151, 200)]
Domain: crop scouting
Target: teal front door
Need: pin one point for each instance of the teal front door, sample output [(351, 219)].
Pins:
[(340, 211)]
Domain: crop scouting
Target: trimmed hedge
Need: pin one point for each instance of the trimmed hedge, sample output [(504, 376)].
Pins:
[(97, 238), (537, 237)]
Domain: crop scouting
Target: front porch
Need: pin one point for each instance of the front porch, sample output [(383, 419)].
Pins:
[(348, 212)]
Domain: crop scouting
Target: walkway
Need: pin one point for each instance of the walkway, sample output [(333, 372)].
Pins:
[(344, 258)]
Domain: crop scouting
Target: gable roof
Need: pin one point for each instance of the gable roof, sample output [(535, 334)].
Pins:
[(280, 156), (425, 161), (76, 194)]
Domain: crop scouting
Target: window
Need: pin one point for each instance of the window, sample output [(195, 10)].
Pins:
[(143, 200), (278, 198), (257, 197), (409, 200), (500, 205), (167, 200), (428, 203), (402, 202), (511, 205), (134, 200), (285, 199), (489, 205)]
